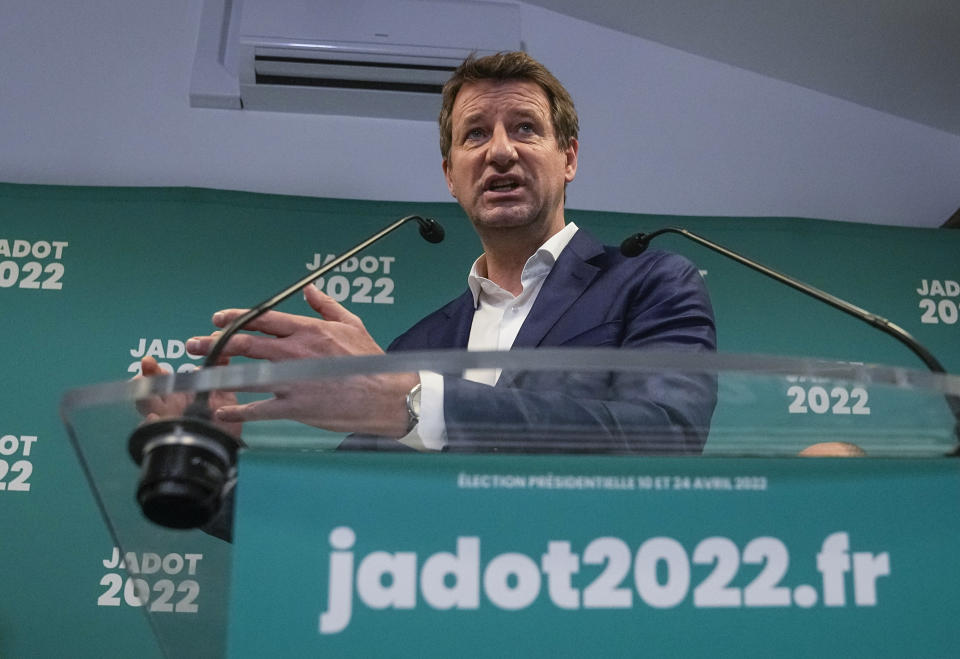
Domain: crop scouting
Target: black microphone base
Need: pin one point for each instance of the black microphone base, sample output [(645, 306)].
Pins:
[(186, 466)]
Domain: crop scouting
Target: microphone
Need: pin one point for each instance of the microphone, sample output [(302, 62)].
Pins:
[(638, 243), (188, 463), (430, 230)]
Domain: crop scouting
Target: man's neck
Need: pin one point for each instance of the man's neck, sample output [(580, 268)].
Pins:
[(506, 252)]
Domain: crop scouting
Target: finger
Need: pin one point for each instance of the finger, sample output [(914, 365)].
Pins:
[(261, 410), (276, 323), (281, 389), (149, 367), (245, 345), (220, 398), (329, 308), (145, 406), (202, 345), (198, 346)]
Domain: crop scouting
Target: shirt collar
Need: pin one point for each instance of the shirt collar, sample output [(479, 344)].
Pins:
[(538, 265)]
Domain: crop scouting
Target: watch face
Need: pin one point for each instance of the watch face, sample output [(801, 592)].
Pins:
[(413, 405), (415, 401)]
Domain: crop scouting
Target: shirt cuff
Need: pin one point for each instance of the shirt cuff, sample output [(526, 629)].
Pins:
[(430, 434)]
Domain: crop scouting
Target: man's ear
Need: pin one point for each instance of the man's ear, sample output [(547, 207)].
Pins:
[(571, 153), (445, 164)]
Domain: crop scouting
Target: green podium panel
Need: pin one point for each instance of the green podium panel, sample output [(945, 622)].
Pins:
[(486, 556)]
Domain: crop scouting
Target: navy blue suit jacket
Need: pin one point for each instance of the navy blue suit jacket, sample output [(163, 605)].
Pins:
[(593, 297)]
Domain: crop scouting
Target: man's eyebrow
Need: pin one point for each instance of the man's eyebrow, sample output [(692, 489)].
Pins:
[(534, 114), (525, 113), (474, 117), (516, 113)]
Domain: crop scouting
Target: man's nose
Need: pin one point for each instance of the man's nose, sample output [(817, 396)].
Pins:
[(501, 150)]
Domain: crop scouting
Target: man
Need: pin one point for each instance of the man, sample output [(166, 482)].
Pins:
[(509, 144)]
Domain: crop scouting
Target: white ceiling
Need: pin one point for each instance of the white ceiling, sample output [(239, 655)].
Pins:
[(901, 57)]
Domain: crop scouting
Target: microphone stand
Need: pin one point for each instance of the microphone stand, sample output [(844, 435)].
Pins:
[(188, 463), (637, 243)]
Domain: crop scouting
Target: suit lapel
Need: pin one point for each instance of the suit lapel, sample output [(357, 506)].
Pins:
[(569, 278), (455, 332)]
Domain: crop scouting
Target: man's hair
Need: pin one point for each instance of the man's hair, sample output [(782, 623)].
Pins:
[(504, 67)]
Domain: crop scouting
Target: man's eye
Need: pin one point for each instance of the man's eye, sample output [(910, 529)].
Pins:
[(475, 134), (525, 127)]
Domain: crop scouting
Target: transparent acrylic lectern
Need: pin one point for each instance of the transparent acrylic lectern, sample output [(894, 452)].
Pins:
[(601, 421)]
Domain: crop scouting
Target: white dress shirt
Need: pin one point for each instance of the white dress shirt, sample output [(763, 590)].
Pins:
[(497, 319)]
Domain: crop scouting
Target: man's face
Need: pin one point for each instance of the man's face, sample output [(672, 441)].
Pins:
[(505, 166)]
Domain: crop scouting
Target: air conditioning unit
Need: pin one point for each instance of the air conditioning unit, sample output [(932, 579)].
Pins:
[(378, 58)]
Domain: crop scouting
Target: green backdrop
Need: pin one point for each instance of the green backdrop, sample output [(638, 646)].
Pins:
[(92, 277)]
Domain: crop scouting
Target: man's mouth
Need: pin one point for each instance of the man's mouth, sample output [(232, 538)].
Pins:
[(504, 185)]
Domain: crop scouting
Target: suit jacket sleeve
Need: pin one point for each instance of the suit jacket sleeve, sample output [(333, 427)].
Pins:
[(594, 297)]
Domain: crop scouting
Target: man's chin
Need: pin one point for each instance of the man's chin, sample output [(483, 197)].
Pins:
[(504, 217)]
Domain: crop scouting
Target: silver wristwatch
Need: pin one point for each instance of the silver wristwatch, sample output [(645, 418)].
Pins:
[(413, 407)]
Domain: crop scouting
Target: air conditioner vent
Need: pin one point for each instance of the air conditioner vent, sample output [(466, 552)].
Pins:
[(341, 74), (376, 58)]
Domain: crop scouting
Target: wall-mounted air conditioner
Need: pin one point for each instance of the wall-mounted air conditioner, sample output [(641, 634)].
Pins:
[(380, 58)]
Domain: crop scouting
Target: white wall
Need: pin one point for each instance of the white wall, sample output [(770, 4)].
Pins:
[(96, 93)]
